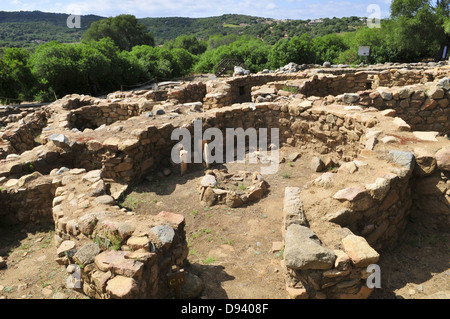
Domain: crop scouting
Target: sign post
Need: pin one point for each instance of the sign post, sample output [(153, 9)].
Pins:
[(364, 51), (176, 278)]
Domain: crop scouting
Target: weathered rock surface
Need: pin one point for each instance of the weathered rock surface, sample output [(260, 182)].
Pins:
[(303, 250)]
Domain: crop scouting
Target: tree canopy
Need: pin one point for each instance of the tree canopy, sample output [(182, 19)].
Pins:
[(124, 30)]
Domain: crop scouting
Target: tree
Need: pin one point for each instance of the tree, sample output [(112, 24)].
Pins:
[(85, 68), (189, 43), (124, 30), (252, 51), (416, 29), (162, 63), (16, 80), (297, 49), (328, 48)]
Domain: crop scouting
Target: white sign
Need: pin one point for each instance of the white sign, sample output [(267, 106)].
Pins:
[(363, 51)]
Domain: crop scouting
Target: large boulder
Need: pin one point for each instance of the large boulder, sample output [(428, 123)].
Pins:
[(240, 71), (304, 251)]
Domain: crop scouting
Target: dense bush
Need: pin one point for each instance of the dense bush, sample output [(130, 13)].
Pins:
[(119, 51), (124, 30), (16, 80), (253, 52)]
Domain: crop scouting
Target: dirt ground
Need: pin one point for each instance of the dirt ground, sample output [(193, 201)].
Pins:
[(230, 249)]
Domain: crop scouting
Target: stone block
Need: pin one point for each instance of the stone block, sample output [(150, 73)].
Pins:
[(359, 251), (304, 251)]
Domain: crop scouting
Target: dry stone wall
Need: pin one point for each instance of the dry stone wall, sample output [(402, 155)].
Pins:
[(21, 136), (118, 254), (111, 144), (423, 107)]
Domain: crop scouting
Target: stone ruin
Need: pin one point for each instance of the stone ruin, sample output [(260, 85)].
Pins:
[(384, 131), (218, 187)]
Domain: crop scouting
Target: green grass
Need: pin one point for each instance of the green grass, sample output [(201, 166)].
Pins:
[(109, 242), (194, 213), (209, 260), (292, 89), (286, 175), (206, 230), (228, 25), (132, 202), (280, 254), (229, 242)]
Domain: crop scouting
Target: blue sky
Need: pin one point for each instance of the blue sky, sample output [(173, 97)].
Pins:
[(278, 9)]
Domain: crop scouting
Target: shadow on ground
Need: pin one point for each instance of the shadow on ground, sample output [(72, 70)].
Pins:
[(12, 235), (418, 266), (212, 276)]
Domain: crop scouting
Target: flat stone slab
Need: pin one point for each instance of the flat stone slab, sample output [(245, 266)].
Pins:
[(293, 207), (405, 159), (401, 125), (390, 139), (349, 194), (93, 176), (105, 200), (128, 268), (122, 287), (59, 140), (304, 251), (358, 198), (136, 243), (208, 181), (65, 246), (105, 260), (427, 136), (359, 251)]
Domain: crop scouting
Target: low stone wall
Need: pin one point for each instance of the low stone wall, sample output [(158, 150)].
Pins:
[(112, 253), (109, 253), (431, 188), (371, 218), (239, 89), (129, 159), (188, 92), (336, 84), (314, 271), (29, 202), (423, 107), (119, 254), (405, 77), (21, 136), (378, 211), (102, 114)]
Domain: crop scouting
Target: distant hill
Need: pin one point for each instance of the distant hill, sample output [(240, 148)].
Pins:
[(28, 29), (269, 30), (169, 28)]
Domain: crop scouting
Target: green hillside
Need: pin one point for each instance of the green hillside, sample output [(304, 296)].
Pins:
[(27, 29)]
